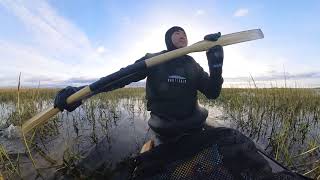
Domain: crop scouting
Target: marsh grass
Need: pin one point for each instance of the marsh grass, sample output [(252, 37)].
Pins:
[(283, 121)]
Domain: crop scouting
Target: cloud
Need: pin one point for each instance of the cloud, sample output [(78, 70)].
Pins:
[(101, 49), (51, 33), (19, 58), (278, 76), (200, 12), (80, 80), (32, 79), (58, 49), (276, 79), (241, 12)]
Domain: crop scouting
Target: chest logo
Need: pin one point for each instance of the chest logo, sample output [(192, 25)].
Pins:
[(177, 79)]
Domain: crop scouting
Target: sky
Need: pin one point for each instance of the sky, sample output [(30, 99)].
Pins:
[(55, 43)]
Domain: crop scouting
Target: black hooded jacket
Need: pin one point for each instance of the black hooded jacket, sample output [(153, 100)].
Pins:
[(171, 92)]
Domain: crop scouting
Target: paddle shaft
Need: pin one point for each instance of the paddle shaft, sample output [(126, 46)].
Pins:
[(106, 81)]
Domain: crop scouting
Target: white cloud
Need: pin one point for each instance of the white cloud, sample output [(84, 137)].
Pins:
[(52, 34), (59, 49), (241, 12), (200, 12), (101, 49)]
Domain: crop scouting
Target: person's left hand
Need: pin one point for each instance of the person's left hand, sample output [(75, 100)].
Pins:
[(215, 57), (212, 37), (215, 53)]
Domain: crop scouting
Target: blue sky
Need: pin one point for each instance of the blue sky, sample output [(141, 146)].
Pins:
[(59, 43)]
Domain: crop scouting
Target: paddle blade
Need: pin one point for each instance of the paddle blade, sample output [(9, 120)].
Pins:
[(228, 39), (204, 45)]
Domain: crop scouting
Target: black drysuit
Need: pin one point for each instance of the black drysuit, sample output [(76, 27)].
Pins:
[(171, 92)]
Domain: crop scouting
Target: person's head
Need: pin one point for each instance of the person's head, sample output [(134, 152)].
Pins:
[(176, 38)]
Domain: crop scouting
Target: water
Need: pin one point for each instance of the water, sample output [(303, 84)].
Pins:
[(5, 110), (104, 133)]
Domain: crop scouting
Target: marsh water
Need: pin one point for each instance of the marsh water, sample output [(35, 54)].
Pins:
[(103, 133)]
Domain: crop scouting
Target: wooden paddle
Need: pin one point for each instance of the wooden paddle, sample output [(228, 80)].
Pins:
[(204, 45)]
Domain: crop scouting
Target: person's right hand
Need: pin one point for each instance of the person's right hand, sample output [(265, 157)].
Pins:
[(212, 37), (60, 100)]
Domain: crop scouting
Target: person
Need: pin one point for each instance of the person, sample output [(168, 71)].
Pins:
[(171, 88)]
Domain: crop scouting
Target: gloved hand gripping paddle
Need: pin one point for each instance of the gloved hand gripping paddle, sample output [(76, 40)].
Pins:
[(215, 56)]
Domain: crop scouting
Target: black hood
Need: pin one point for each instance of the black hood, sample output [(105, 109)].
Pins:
[(168, 35)]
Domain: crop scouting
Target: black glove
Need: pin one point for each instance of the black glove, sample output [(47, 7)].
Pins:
[(60, 100), (215, 57), (212, 37), (214, 54)]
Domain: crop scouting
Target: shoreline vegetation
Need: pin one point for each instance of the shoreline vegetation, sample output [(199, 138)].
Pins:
[(282, 121)]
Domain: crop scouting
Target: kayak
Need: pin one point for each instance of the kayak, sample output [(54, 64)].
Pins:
[(218, 153)]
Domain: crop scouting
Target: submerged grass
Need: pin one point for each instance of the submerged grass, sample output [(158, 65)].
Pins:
[(8, 166), (283, 121)]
